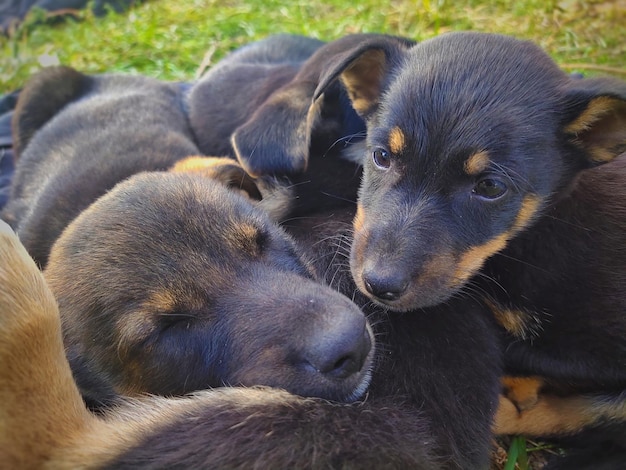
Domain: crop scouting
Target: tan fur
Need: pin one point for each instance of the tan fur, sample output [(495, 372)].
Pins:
[(397, 140), (476, 163), (473, 259), (522, 391), (363, 80), (601, 128), (41, 406)]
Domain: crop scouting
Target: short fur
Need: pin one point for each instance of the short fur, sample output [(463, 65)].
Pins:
[(158, 278), (433, 393), (171, 283), (44, 424), (480, 179), (60, 105)]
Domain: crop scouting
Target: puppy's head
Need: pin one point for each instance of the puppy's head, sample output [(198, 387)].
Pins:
[(173, 282), (470, 137)]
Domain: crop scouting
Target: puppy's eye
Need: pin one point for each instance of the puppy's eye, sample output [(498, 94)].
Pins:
[(490, 188), (381, 159)]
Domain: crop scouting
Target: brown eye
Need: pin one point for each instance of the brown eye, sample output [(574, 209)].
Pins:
[(490, 188), (381, 159)]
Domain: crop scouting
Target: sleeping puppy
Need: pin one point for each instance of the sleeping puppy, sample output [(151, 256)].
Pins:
[(158, 281), (44, 423), (170, 283), (480, 178), (76, 136)]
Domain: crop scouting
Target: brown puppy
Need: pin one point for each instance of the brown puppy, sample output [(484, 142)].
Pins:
[(44, 424), (172, 283), (161, 282)]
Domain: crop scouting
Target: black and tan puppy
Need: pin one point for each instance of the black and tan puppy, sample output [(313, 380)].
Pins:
[(171, 283), (76, 136), (44, 423), (160, 282), (479, 179)]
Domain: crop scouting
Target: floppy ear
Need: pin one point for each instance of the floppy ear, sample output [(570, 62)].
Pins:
[(275, 140), (271, 194), (597, 118), (277, 137), (363, 70)]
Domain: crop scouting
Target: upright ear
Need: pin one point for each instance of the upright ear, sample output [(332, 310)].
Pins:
[(597, 117), (277, 137), (364, 70)]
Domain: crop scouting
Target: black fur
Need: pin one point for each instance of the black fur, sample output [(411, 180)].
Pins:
[(479, 180)]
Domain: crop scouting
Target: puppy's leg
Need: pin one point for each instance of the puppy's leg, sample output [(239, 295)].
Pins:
[(40, 407), (555, 416)]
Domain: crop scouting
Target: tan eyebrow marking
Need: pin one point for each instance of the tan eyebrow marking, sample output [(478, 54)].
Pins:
[(397, 140), (477, 163)]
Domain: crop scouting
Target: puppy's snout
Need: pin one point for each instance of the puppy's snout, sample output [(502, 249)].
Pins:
[(341, 349), (384, 287)]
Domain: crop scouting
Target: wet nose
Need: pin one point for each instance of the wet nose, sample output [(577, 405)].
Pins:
[(341, 349), (389, 287)]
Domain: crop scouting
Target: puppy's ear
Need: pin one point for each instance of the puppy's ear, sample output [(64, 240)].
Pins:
[(277, 137), (363, 69), (44, 95), (273, 195), (596, 117), (223, 169), (275, 140)]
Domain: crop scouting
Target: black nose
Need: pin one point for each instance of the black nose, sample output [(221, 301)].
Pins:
[(384, 287), (341, 350)]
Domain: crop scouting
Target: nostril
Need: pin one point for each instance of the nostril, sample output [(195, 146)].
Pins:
[(341, 351), (343, 367), (384, 288)]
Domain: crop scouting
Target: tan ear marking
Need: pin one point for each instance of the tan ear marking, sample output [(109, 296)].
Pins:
[(596, 109), (601, 128), (363, 80)]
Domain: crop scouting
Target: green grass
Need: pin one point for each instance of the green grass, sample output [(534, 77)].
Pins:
[(174, 39), (169, 39)]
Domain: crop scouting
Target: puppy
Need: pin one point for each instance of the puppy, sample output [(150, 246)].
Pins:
[(76, 136), (480, 179), (44, 423), (170, 283), (158, 279)]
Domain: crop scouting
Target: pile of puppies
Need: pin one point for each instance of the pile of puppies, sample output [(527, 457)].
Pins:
[(223, 238)]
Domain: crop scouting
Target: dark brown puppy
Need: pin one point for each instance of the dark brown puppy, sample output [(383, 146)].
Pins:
[(44, 423), (76, 136), (171, 283), (152, 299), (478, 180)]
